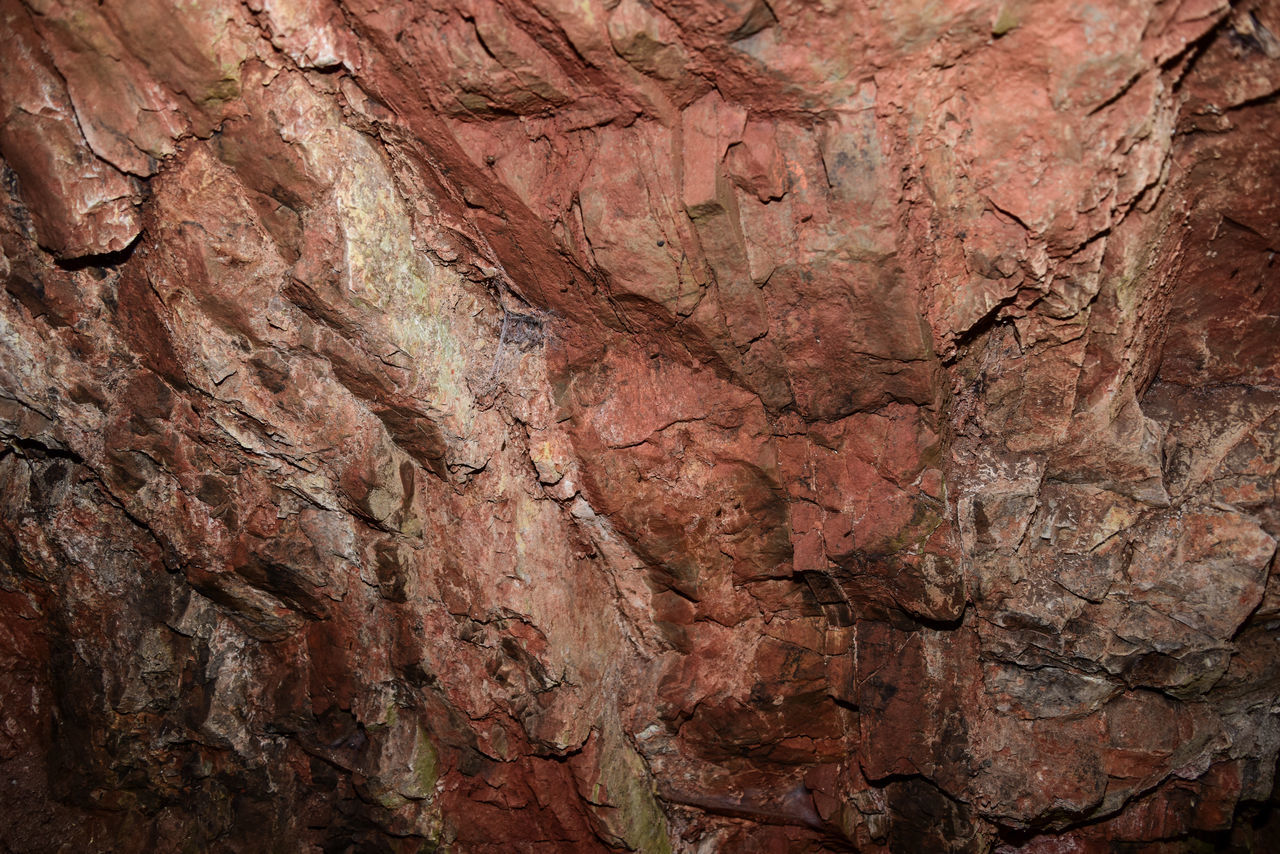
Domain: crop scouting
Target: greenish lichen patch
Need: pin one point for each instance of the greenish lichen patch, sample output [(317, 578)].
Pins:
[(1006, 21), (426, 765)]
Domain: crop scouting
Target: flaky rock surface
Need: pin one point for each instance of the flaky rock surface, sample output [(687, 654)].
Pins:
[(639, 425)]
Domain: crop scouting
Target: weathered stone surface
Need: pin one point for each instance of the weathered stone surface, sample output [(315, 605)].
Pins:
[(672, 426)]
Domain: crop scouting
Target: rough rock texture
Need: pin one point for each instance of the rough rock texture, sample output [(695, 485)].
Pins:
[(652, 425)]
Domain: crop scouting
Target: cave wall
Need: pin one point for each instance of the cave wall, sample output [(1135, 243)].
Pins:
[(524, 425)]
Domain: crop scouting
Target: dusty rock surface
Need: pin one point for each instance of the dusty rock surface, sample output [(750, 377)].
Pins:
[(639, 425)]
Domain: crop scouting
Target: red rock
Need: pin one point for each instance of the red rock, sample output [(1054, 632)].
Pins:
[(80, 205), (521, 425)]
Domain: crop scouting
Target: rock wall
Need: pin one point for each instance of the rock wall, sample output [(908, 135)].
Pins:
[(639, 425)]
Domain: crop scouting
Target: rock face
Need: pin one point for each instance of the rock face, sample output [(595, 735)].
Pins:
[(639, 425)]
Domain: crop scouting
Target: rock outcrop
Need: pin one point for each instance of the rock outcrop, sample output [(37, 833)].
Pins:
[(639, 425)]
